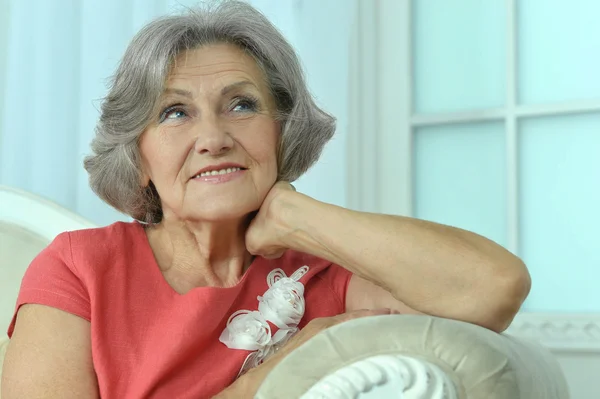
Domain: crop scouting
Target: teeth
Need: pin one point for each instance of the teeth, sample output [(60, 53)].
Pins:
[(218, 172)]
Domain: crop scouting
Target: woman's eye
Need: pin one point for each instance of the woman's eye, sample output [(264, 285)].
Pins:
[(174, 112), (244, 105)]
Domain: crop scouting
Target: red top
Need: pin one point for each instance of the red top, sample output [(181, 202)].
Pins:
[(148, 341)]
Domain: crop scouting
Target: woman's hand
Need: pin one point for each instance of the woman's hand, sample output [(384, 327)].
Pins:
[(266, 234), (248, 384)]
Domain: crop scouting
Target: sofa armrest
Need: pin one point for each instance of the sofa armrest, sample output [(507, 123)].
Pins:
[(415, 357)]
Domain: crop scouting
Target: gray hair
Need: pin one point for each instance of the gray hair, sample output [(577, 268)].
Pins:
[(114, 168)]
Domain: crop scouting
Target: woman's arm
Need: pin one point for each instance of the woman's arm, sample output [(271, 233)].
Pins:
[(428, 267), (432, 268), (49, 356)]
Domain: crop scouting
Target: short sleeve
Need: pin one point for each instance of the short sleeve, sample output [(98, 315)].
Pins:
[(52, 280), (338, 279)]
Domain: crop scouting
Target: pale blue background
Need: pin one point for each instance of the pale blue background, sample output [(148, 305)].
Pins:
[(56, 56), (460, 170)]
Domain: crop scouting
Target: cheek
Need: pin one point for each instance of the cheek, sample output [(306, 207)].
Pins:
[(145, 155), (269, 152), (162, 158), (260, 142)]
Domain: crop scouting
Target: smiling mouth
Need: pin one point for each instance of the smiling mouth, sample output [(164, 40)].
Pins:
[(224, 171)]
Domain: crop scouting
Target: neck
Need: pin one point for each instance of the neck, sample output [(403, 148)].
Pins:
[(200, 254)]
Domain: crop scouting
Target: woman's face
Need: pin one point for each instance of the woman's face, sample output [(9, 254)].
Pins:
[(211, 151)]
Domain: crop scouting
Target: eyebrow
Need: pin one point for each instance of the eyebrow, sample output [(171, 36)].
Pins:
[(224, 91), (179, 92)]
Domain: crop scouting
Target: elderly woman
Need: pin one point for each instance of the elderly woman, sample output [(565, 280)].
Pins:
[(207, 121)]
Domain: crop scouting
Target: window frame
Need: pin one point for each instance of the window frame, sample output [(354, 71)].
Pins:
[(381, 132)]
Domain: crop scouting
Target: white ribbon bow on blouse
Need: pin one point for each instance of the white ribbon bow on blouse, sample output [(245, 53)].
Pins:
[(282, 304)]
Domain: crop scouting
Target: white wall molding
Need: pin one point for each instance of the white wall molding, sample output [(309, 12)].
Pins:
[(395, 90), (380, 133), (574, 340), (560, 332), (363, 127)]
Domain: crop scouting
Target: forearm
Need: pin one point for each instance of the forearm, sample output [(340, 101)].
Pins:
[(244, 387), (432, 268)]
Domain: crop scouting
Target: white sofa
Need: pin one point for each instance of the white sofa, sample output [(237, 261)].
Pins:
[(409, 357), (415, 357), (27, 224)]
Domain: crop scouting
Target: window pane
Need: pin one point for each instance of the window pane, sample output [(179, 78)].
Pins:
[(459, 54), (559, 50), (560, 211), (460, 177)]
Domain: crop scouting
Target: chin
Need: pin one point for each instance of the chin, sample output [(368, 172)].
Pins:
[(223, 211)]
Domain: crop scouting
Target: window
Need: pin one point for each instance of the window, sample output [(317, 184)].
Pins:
[(486, 116)]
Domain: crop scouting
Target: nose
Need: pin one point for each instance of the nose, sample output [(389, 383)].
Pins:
[(212, 139)]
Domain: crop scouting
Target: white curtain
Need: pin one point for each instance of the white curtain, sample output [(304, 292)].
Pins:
[(56, 57)]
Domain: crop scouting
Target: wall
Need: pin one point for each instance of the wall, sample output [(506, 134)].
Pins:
[(324, 47), (4, 5)]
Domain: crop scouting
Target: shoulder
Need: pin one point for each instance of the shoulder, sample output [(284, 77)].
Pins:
[(108, 234), (97, 245), (114, 237)]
